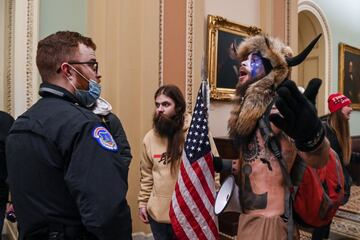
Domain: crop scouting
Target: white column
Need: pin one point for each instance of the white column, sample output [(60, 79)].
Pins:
[(25, 41), (19, 57)]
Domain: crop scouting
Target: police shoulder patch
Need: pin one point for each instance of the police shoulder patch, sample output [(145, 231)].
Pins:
[(104, 138)]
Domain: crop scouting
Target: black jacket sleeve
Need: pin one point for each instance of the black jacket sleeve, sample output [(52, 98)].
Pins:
[(118, 132), (5, 123), (98, 182)]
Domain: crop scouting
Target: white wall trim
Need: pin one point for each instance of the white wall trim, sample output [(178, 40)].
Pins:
[(8, 56), (32, 37), (311, 6), (19, 67), (25, 39)]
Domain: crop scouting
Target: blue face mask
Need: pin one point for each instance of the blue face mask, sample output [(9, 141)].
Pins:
[(88, 98)]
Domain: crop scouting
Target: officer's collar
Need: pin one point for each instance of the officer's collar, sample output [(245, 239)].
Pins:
[(51, 90)]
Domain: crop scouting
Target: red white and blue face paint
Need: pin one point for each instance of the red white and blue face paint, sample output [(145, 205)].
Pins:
[(256, 66), (252, 69)]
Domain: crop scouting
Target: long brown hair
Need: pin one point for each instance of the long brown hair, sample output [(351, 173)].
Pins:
[(176, 141), (340, 126)]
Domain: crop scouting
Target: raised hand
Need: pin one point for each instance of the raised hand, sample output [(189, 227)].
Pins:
[(297, 117), (312, 90)]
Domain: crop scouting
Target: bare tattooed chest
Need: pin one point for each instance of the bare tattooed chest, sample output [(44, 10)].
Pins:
[(256, 151), (258, 167)]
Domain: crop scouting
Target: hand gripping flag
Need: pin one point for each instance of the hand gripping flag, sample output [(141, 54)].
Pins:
[(192, 205)]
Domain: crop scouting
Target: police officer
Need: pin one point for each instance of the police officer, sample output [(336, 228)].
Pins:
[(67, 175), (6, 120), (103, 109)]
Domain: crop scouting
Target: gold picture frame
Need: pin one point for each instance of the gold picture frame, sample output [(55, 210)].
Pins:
[(349, 73), (223, 37)]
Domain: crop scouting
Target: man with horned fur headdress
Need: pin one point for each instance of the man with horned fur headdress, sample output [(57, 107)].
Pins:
[(264, 89)]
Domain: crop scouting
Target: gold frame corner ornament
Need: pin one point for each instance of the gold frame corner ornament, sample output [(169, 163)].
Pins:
[(347, 49), (216, 24)]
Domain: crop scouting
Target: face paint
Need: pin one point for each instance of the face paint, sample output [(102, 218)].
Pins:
[(256, 66)]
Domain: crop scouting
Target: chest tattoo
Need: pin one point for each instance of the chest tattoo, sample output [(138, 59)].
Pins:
[(267, 162), (251, 200), (253, 150)]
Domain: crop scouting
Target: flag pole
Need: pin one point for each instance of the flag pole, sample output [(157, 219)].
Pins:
[(205, 82)]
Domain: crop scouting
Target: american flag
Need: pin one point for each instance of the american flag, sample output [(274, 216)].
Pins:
[(192, 205)]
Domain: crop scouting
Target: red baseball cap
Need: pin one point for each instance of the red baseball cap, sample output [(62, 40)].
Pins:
[(337, 101)]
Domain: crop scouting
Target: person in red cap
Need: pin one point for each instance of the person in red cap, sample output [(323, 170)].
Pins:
[(338, 133), (338, 101)]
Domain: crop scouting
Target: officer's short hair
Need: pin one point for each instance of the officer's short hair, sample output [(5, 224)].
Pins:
[(57, 48)]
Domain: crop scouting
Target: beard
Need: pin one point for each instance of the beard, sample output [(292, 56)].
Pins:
[(242, 87), (167, 126)]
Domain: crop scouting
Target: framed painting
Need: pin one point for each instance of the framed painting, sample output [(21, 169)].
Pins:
[(223, 38), (349, 73)]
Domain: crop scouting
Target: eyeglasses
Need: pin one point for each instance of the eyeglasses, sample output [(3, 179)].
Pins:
[(93, 64)]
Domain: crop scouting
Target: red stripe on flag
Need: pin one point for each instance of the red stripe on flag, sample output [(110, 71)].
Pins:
[(197, 198), (210, 162), (189, 216), (200, 174), (179, 231)]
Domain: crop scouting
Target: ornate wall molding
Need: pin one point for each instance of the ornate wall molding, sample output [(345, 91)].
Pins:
[(287, 23), (29, 52), (9, 49), (291, 26), (189, 53), (308, 5), (161, 43), (21, 77)]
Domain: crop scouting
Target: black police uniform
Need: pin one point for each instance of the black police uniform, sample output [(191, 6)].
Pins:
[(113, 124), (6, 120), (66, 174)]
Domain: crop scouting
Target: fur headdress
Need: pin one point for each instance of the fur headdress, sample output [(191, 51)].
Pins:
[(251, 105)]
